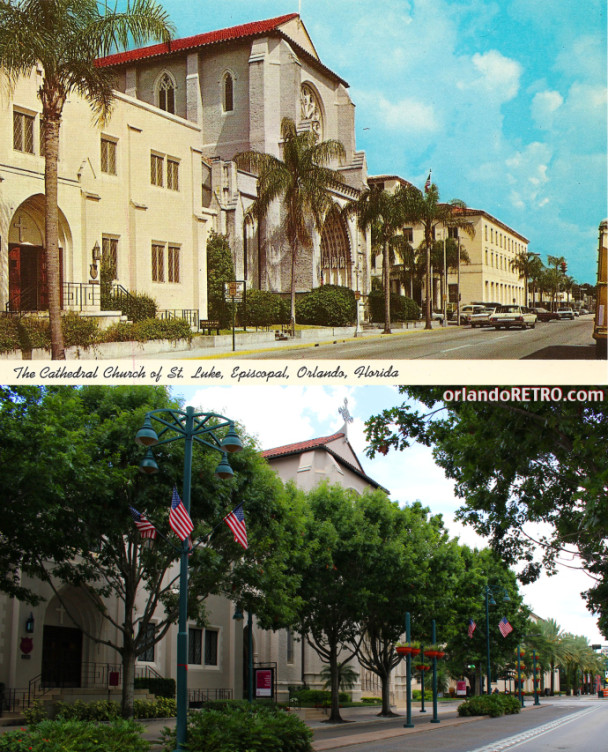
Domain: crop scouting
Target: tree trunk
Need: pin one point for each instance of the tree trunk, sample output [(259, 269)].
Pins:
[(386, 696), (334, 716), (428, 282), (128, 681), (52, 122), (387, 290), (294, 253)]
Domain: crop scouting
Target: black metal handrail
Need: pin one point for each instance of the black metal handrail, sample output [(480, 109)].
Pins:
[(77, 295), (198, 696), (189, 314)]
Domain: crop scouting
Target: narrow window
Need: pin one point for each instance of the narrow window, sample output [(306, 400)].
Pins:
[(211, 636), (228, 93), (195, 641), (109, 256), (148, 653), (108, 156), (158, 263), (156, 170), (172, 175), (206, 191), (23, 132), (173, 259), (166, 94)]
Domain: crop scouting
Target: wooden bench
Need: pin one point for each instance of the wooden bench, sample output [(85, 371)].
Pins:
[(209, 324)]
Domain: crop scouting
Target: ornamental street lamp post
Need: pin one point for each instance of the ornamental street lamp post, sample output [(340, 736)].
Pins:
[(519, 687), (490, 601), (435, 718), (536, 680), (408, 676), (203, 428), (422, 673)]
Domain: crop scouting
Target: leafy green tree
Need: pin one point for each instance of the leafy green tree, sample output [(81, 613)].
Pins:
[(412, 569), (338, 543), (529, 267), (66, 37), (301, 180), (516, 463), (220, 269), (112, 562)]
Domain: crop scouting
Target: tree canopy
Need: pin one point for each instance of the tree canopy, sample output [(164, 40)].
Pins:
[(533, 475)]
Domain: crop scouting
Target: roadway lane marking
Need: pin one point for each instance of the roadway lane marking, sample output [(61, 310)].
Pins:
[(473, 344), (514, 741)]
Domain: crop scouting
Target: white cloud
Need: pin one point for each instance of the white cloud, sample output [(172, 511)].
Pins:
[(499, 75), (544, 105), (407, 115)]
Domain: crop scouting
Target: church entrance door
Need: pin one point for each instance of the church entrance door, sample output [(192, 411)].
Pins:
[(28, 289), (61, 656)]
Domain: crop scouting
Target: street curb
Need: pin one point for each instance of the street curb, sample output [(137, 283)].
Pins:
[(311, 345)]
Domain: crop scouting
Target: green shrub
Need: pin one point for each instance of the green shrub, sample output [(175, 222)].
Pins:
[(9, 334), (329, 305), (149, 329), (78, 331), (417, 694), (35, 713), (220, 269), (402, 308), (318, 696), (492, 705), (102, 710), (135, 306), (263, 308), (158, 686), (76, 736), (34, 333), (238, 729)]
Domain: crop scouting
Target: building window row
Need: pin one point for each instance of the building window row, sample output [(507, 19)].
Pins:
[(169, 272)]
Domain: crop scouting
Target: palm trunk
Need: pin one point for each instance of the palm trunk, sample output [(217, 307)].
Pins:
[(387, 291), (294, 253), (428, 283), (52, 122)]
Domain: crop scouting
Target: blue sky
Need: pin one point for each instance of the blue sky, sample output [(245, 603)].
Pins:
[(288, 414), (504, 101)]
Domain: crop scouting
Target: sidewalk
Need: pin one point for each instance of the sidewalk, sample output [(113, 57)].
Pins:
[(250, 342)]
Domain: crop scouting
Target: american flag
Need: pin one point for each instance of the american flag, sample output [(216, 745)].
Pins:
[(145, 527), (472, 627), (236, 522), (427, 185), (179, 519), (504, 626)]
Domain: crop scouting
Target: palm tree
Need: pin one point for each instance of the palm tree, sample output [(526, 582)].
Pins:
[(528, 265), (552, 647), (302, 179), (66, 37), (426, 209), (382, 212)]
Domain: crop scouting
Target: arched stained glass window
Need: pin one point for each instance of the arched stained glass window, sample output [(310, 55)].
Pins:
[(228, 93), (335, 250), (166, 93)]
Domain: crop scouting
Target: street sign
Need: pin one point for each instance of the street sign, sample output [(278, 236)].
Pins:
[(235, 289), (264, 682)]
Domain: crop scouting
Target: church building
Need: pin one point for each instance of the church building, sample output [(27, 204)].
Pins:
[(141, 193)]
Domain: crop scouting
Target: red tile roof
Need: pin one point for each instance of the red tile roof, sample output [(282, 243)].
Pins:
[(301, 446), (199, 40)]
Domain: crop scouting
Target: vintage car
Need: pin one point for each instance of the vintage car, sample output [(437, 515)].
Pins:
[(565, 313), (482, 318), (544, 315), (507, 316)]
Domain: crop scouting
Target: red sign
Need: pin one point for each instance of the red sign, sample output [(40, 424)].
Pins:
[(461, 688), (27, 645), (263, 682)]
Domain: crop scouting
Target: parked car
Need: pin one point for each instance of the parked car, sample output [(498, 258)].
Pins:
[(482, 318), (584, 311), (508, 316), (469, 310), (544, 315), (565, 313)]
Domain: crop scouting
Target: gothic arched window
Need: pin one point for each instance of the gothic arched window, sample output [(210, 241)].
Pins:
[(166, 93), (310, 109), (228, 93), (335, 250)]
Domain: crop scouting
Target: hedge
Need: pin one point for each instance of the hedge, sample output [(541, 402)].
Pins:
[(402, 308), (156, 685), (243, 729), (317, 696), (76, 736), (263, 308), (330, 305), (493, 705), (107, 710)]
